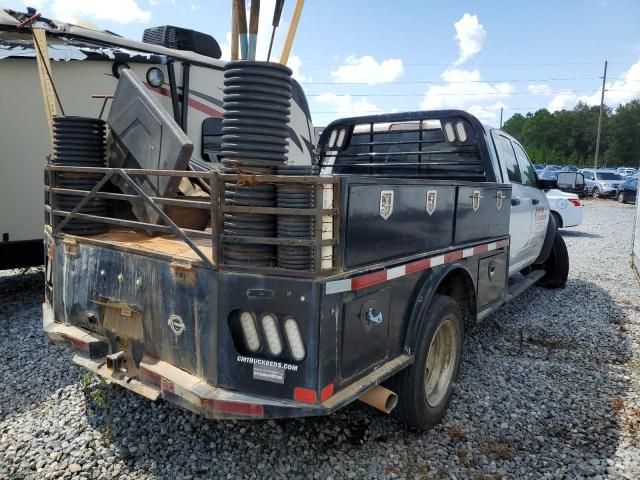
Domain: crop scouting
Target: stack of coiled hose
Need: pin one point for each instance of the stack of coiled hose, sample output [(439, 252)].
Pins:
[(255, 133), (296, 226), (79, 142)]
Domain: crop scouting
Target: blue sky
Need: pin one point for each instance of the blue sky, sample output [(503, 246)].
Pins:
[(368, 56)]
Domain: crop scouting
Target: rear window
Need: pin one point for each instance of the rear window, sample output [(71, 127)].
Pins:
[(608, 176)]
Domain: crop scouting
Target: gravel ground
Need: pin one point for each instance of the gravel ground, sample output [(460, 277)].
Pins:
[(549, 388)]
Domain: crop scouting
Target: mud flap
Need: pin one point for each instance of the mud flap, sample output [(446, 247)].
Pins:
[(552, 228)]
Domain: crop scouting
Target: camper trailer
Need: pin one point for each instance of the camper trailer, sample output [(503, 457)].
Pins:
[(181, 67)]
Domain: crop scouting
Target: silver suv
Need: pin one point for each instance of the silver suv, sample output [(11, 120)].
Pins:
[(601, 183)]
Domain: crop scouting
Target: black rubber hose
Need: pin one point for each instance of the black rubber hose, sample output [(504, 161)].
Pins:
[(79, 142)]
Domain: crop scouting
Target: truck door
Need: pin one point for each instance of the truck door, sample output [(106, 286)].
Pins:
[(540, 204), (520, 223)]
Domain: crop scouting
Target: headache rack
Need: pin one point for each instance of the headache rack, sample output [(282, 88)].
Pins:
[(207, 244), (432, 145)]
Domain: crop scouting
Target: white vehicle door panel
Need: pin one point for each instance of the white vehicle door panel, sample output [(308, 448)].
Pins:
[(520, 220)]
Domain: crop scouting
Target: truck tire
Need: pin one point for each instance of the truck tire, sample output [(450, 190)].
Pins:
[(556, 265), (424, 388)]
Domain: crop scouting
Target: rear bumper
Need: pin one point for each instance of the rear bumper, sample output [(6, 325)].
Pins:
[(159, 379)]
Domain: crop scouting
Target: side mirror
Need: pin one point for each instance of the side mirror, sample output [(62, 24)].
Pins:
[(571, 182)]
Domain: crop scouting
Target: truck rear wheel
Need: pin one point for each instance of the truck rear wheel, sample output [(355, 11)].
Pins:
[(556, 265), (424, 388)]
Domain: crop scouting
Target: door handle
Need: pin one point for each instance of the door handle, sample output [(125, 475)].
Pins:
[(515, 201), (535, 201)]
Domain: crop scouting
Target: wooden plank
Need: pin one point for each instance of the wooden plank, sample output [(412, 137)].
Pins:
[(44, 65)]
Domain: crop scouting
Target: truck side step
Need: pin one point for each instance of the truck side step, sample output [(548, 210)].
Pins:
[(524, 283), (515, 289)]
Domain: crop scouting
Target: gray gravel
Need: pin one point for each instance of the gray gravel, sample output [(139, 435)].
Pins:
[(550, 388)]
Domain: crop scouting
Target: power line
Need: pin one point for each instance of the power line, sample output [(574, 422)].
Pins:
[(443, 82), (447, 64), (482, 94)]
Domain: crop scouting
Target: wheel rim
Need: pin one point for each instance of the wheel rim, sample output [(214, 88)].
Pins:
[(441, 362), (621, 198)]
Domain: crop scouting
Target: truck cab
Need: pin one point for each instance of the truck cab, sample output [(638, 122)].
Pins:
[(529, 205)]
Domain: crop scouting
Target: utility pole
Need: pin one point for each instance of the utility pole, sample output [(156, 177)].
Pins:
[(604, 79), (501, 108)]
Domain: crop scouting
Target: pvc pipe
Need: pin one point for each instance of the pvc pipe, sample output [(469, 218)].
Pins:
[(380, 398)]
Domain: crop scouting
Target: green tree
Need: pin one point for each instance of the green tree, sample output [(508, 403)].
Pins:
[(624, 135)]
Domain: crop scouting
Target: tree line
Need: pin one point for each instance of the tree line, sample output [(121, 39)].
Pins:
[(568, 137)]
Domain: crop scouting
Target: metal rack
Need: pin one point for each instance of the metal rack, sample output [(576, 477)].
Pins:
[(216, 205)]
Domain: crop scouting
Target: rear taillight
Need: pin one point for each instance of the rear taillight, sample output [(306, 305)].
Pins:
[(575, 201), (249, 330), (270, 330), (294, 339)]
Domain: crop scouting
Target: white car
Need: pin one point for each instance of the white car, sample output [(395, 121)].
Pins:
[(565, 208)]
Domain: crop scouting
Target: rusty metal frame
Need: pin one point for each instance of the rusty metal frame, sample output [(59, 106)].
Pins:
[(215, 205)]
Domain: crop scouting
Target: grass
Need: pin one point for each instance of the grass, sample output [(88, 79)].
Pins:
[(98, 391), (498, 450)]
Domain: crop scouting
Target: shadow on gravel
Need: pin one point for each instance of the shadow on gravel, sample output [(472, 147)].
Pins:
[(31, 370), (537, 393), (578, 234)]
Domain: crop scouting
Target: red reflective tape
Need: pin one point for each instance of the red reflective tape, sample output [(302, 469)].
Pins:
[(75, 343), (167, 386), (417, 266), (480, 249), (326, 392), (233, 408), (153, 376), (368, 280), (452, 256), (503, 243), (306, 395)]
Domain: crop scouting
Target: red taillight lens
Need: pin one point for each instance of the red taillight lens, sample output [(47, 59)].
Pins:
[(233, 408), (575, 201)]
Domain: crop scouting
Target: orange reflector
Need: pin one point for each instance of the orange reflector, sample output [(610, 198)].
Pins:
[(306, 395), (233, 408), (326, 392)]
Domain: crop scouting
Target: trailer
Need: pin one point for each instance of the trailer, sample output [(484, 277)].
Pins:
[(180, 67)]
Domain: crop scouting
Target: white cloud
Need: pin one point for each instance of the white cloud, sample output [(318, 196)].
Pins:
[(295, 64), (367, 70), (487, 113), (117, 11), (620, 91), (346, 106), (563, 101), (480, 98), (470, 35), (539, 89)]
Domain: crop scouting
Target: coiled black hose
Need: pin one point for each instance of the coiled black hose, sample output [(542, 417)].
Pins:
[(79, 142), (296, 226), (255, 133)]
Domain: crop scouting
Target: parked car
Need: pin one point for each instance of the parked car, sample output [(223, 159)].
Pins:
[(565, 208), (538, 166), (569, 168), (626, 171), (601, 183), (627, 190)]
